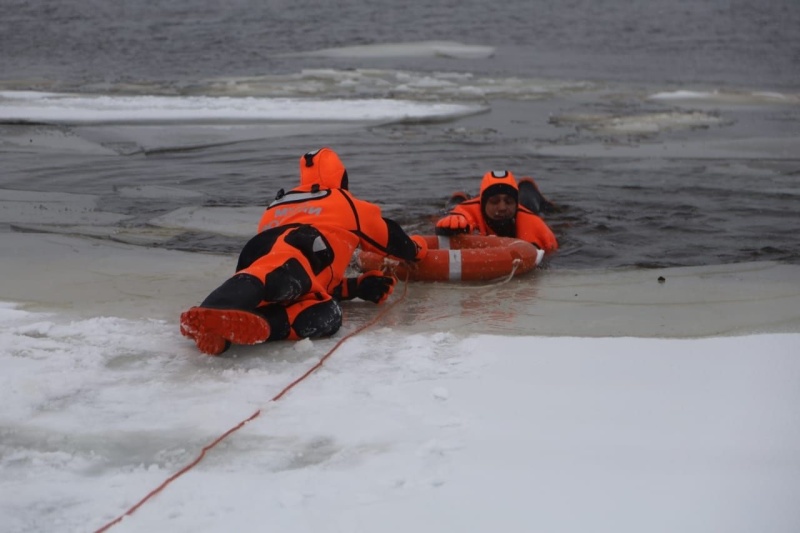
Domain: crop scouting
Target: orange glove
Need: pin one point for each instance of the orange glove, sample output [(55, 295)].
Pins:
[(452, 224), (375, 286), (422, 247)]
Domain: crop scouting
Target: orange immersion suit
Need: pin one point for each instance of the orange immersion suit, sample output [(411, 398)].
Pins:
[(469, 216), (292, 273)]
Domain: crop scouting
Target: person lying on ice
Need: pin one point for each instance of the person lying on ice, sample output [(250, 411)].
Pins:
[(291, 276), (498, 210)]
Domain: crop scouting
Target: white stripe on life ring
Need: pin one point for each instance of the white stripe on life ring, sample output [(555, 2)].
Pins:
[(444, 242), (455, 265)]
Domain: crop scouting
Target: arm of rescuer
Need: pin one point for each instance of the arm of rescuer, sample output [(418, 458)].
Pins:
[(533, 229), (374, 285), (456, 221)]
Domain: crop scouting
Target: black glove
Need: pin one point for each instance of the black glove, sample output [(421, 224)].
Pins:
[(375, 286)]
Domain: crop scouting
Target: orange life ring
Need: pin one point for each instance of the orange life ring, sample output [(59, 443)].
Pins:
[(463, 258)]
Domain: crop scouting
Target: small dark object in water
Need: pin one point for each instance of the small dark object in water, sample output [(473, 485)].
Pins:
[(530, 197)]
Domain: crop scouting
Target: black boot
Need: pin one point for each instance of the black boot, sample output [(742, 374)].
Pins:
[(242, 291)]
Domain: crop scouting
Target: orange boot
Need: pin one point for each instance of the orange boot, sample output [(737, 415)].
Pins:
[(213, 330)]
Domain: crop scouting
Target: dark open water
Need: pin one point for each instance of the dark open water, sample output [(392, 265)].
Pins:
[(664, 193)]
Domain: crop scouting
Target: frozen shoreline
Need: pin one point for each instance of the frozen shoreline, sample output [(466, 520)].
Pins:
[(97, 277)]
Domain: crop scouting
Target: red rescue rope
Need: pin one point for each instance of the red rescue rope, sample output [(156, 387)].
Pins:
[(384, 310)]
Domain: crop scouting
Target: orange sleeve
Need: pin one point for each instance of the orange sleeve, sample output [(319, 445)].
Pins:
[(470, 209), (371, 227), (383, 235), (533, 229)]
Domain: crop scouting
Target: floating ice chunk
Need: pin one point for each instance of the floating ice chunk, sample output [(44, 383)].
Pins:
[(419, 49), (74, 109), (727, 97), (234, 221)]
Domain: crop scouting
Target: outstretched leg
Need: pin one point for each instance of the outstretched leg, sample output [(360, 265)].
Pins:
[(227, 315), (275, 294), (232, 313), (223, 317), (241, 291)]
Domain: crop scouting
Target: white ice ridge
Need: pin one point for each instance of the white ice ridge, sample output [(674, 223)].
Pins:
[(727, 97), (55, 108), (379, 83), (413, 49)]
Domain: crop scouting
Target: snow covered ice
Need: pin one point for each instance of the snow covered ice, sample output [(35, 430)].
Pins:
[(406, 427)]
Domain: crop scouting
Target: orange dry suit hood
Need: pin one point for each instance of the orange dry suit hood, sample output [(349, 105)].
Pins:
[(322, 168), (499, 182)]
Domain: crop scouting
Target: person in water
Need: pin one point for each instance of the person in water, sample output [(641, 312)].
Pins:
[(290, 276), (499, 210)]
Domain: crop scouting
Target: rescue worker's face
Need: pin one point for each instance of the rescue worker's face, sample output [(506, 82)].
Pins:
[(500, 207)]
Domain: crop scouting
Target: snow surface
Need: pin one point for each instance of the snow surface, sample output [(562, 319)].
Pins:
[(437, 431)]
